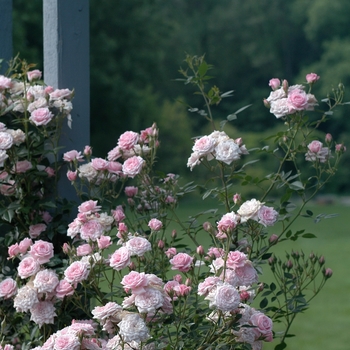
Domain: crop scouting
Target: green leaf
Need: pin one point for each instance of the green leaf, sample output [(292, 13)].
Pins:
[(281, 346), (308, 235), (263, 303), (296, 186)]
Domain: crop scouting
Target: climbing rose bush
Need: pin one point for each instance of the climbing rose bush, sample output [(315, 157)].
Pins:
[(124, 271)]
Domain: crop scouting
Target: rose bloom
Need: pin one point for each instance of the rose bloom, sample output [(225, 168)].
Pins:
[(120, 258), (5, 83), (280, 108), (34, 75), (73, 155), (84, 249), (249, 210), (132, 327), (149, 301), (13, 250), (228, 222), (114, 167), (77, 272), (72, 175), (204, 145), (24, 245), (135, 281), (181, 262), (42, 313), (18, 136), (225, 298), (315, 146), (91, 230), (297, 100), (25, 299), (236, 259), (67, 341), (29, 266), (45, 281), (312, 78), (207, 285), (60, 94), (133, 166), (104, 242), (36, 230), (131, 191), (89, 207), (88, 172), (274, 83), (64, 288), (138, 246), (6, 140), (42, 251), (128, 140), (41, 116), (262, 322), (99, 164), (114, 154), (8, 288), (267, 216), (22, 166), (155, 224), (227, 151)]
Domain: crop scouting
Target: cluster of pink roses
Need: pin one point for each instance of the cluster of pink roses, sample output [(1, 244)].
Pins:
[(217, 145), (285, 100), (132, 148)]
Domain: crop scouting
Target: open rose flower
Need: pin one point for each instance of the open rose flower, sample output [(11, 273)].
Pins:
[(41, 116), (181, 262)]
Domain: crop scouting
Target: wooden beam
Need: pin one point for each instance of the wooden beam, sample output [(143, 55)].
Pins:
[(66, 65)]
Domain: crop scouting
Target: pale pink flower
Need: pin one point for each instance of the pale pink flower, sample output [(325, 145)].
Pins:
[(49, 171), (317, 152), (45, 281), (204, 145), (181, 262), (224, 297), (135, 281), (63, 289), (279, 108), (228, 222), (34, 75), (36, 230), (312, 78), (8, 288), (104, 242), (67, 341), (182, 290), (41, 116), (138, 246), (128, 140), (99, 164), (216, 252), (170, 252), (133, 328), (193, 160), (267, 216), (6, 140), (72, 156), (120, 258), (247, 274), (114, 154), (60, 94), (236, 259), (13, 250), (118, 214), (42, 313), (274, 83), (114, 167), (262, 322), (133, 166), (227, 151), (42, 251), (22, 166), (29, 266), (249, 210), (77, 272), (315, 146), (84, 249), (24, 245), (297, 100), (155, 224), (91, 230), (25, 299), (89, 207), (131, 191), (149, 301), (5, 83), (46, 217), (72, 175)]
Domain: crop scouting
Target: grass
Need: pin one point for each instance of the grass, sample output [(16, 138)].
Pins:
[(325, 324)]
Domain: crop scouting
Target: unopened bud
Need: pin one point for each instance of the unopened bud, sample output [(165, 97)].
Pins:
[(207, 226), (132, 266), (266, 103), (328, 138), (200, 250), (285, 85), (237, 198), (173, 233), (188, 282), (160, 244), (289, 264), (273, 239), (327, 272), (321, 260)]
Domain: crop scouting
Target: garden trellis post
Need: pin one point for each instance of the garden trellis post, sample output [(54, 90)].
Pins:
[(66, 65), (6, 33)]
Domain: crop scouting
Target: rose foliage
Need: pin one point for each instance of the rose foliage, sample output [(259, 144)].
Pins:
[(126, 272)]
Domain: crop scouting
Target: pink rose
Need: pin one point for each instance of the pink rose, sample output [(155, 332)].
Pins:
[(6, 140), (45, 281), (91, 230), (22, 166), (29, 266), (36, 230), (42, 251), (114, 167), (64, 288), (104, 242), (205, 287), (262, 322), (8, 288), (297, 100), (236, 259), (226, 298), (128, 140), (46, 216), (89, 207), (5, 83), (267, 216), (181, 262), (13, 250), (118, 214), (138, 246), (170, 252), (133, 166), (59, 94), (24, 245), (41, 116), (155, 224), (315, 146), (228, 222), (72, 156), (50, 172), (114, 154), (274, 83), (34, 75), (131, 191), (135, 281), (312, 78), (77, 272), (204, 145), (99, 164), (84, 249), (120, 259), (72, 175), (67, 341)]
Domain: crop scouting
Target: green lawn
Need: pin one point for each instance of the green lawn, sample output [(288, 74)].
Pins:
[(326, 324)]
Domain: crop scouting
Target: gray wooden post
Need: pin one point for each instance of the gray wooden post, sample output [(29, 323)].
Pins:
[(66, 65), (5, 33)]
